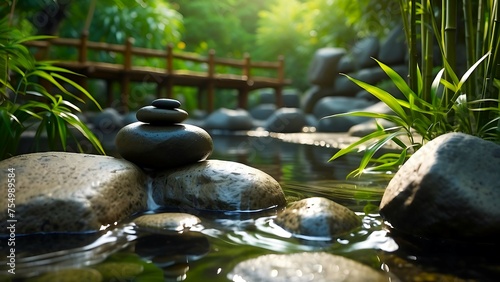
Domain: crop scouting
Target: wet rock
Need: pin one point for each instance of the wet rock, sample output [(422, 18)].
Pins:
[(449, 189), (286, 120), (305, 267), (324, 66), (166, 146), (263, 111), (217, 185), (53, 187), (167, 221), (227, 119), (317, 217), (159, 116)]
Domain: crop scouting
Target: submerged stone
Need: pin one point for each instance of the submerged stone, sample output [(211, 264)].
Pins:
[(317, 217), (306, 266), (167, 221), (217, 185), (161, 147), (70, 192)]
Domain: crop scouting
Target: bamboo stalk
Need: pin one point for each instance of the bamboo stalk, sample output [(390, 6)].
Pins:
[(471, 85), (427, 49), (413, 47)]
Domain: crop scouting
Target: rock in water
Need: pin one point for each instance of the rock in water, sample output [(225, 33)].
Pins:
[(449, 189), (160, 147), (167, 221), (69, 192), (317, 217), (217, 185), (307, 266)]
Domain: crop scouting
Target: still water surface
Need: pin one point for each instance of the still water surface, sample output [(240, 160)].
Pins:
[(210, 251)]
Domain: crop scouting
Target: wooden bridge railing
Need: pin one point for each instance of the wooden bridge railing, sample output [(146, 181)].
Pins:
[(168, 77)]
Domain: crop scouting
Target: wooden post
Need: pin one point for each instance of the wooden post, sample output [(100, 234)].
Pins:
[(127, 66), (281, 80), (82, 49), (82, 59), (243, 92), (210, 83)]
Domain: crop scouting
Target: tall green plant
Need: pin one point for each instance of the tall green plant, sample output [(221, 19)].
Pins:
[(20, 74), (447, 104)]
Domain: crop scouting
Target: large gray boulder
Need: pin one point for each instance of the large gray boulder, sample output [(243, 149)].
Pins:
[(449, 189), (217, 185), (69, 192), (306, 266), (317, 217)]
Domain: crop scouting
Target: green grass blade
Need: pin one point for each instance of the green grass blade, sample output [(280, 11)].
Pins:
[(354, 145)]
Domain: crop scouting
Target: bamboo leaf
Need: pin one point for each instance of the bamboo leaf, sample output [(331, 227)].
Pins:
[(383, 96), (396, 79), (356, 144), (471, 70), (81, 89)]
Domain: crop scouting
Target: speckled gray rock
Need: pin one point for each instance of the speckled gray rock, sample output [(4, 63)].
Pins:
[(161, 147), (154, 115), (298, 267), (167, 221), (69, 192), (449, 189), (317, 217), (217, 185)]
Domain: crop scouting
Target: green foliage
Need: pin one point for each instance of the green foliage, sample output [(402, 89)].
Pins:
[(19, 80), (447, 104)]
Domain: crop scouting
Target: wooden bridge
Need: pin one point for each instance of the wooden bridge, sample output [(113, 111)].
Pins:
[(167, 77)]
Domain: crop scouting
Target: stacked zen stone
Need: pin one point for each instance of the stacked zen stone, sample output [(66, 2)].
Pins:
[(159, 140)]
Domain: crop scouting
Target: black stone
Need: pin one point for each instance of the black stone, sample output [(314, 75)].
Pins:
[(157, 116), (166, 103), (157, 147)]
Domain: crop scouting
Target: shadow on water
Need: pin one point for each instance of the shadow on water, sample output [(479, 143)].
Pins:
[(209, 251)]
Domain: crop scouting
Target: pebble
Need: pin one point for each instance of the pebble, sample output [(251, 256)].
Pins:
[(160, 116), (167, 104)]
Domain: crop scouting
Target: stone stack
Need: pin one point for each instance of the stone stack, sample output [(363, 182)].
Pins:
[(176, 154), (159, 139)]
